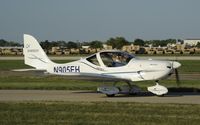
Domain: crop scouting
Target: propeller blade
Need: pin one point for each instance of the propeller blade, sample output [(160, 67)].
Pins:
[(177, 77), (175, 65)]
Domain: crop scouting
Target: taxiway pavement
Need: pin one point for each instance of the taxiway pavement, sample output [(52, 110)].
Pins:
[(91, 96)]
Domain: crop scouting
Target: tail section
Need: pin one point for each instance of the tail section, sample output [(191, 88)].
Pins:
[(33, 53)]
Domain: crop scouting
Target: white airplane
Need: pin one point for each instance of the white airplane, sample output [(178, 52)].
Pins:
[(106, 64)]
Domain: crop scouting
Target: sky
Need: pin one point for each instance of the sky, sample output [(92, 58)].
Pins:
[(88, 20)]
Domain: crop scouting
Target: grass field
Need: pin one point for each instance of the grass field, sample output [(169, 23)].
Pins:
[(98, 113), (37, 80), (187, 65), (68, 83)]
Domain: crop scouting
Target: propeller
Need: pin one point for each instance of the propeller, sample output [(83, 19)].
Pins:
[(177, 77), (175, 66)]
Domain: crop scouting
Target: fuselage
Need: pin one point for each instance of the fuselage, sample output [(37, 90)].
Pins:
[(102, 65)]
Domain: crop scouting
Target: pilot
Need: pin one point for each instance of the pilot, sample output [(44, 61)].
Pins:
[(117, 60)]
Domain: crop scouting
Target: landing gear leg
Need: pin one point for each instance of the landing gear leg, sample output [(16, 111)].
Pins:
[(129, 84), (133, 89)]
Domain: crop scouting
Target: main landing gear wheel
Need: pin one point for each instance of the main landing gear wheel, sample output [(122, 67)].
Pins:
[(111, 91), (112, 95)]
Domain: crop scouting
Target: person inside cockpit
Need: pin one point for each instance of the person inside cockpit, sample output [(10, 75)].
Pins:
[(115, 59)]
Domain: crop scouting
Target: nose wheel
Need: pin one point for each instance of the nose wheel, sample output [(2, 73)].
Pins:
[(158, 89)]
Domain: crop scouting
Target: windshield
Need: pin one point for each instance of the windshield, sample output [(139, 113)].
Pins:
[(93, 60), (115, 59)]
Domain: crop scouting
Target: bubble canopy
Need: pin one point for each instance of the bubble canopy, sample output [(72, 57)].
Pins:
[(111, 58)]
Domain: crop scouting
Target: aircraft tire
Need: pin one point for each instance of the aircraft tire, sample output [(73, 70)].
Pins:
[(110, 95), (161, 95)]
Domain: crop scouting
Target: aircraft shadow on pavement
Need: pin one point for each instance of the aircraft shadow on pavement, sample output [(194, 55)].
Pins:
[(183, 91), (169, 94), (173, 92)]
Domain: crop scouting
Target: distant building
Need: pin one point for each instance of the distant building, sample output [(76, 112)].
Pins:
[(107, 47), (131, 48), (171, 45), (191, 42), (11, 47), (11, 50), (85, 47)]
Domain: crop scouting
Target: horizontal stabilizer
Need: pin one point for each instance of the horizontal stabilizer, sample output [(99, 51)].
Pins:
[(24, 70)]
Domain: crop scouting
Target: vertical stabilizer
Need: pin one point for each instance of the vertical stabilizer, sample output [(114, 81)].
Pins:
[(33, 53)]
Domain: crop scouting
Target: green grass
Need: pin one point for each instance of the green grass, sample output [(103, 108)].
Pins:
[(49, 83), (19, 64), (12, 64), (63, 83), (98, 113), (188, 66), (37, 80)]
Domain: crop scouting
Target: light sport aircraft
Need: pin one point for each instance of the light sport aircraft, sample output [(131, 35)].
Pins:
[(113, 64)]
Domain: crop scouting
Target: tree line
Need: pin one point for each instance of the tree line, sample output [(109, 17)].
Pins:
[(4, 43), (117, 42)]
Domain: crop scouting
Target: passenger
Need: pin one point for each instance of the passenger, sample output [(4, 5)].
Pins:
[(117, 59)]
